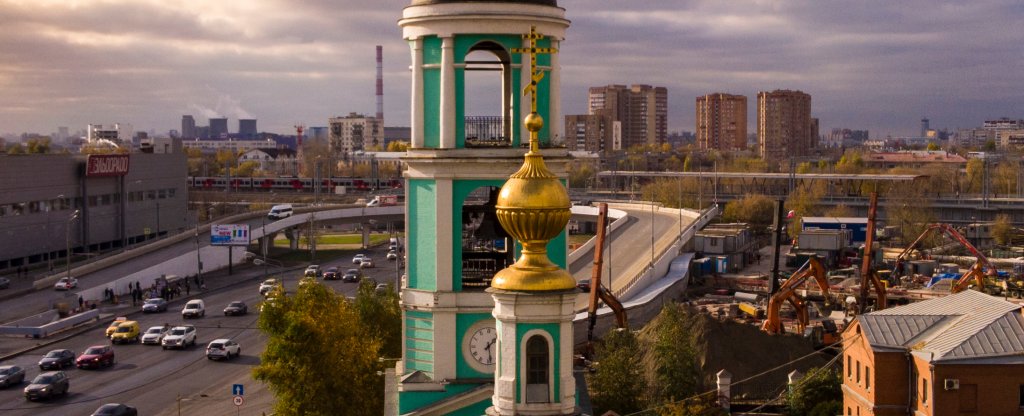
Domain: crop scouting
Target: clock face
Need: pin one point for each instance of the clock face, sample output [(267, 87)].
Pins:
[(483, 345)]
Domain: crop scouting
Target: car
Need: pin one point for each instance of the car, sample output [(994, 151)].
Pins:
[(307, 281), (11, 375), (584, 285), (222, 349), (113, 325), (47, 385), (394, 247), (96, 356), (269, 302), (331, 274), (154, 305), (57, 359), (155, 334), (180, 337), (236, 308), (358, 258), (115, 409), (193, 309), (66, 283), (352, 275), (381, 288), (5, 283), (312, 271), (392, 255), (367, 263), (128, 331), (268, 285)]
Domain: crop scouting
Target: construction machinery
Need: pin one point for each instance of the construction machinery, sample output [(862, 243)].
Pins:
[(977, 273), (788, 293), (868, 275), (598, 291)]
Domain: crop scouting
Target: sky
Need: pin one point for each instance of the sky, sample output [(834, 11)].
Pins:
[(878, 65)]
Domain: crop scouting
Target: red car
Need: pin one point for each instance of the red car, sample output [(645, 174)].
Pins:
[(96, 356)]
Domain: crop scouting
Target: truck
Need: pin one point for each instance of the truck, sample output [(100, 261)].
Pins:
[(383, 201)]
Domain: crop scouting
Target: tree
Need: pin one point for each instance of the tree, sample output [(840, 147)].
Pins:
[(1002, 230), (398, 146), (317, 347), (754, 209), (617, 383), (676, 370), (381, 314), (933, 147), (818, 393), (15, 149), (39, 145), (839, 211), (975, 172), (850, 162), (247, 168), (701, 406)]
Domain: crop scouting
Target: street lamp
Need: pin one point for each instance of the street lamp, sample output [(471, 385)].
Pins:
[(67, 240)]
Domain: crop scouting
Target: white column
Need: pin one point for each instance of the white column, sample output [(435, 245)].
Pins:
[(555, 129), (443, 238), (446, 349), (447, 121), (416, 117)]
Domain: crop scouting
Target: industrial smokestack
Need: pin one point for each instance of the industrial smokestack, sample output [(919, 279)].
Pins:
[(380, 83)]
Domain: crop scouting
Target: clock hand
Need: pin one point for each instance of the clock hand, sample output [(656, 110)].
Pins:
[(487, 347)]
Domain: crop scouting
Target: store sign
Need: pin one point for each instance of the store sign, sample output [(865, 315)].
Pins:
[(106, 165), (229, 234)]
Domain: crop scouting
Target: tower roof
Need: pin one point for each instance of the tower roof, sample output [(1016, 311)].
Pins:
[(552, 3)]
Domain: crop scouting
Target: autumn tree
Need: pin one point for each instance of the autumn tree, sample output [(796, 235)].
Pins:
[(39, 145), (839, 211), (247, 168), (674, 369), (819, 393), (15, 149), (804, 201), (319, 343), (380, 313), (754, 209), (1002, 230), (398, 146), (850, 162), (617, 382), (975, 175)]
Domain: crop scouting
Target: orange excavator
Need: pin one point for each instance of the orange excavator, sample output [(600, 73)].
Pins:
[(787, 292), (597, 291), (981, 268)]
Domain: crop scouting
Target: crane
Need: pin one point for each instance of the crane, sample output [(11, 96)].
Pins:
[(869, 276), (596, 289), (981, 268), (787, 292)]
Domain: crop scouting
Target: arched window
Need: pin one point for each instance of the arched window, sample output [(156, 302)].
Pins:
[(488, 96), (538, 376)]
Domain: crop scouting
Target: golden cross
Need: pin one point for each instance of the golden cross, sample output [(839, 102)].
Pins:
[(535, 74)]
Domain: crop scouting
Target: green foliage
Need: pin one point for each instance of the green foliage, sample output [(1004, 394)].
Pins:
[(319, 343), (818, 391), (850, 162), (39, 145), (15, 149), (754, 209), (617, 382), (381, 315), (702, 406), (688, 163), (932, 146), (804, 167), (676, 373), (1002, 230), (398, 146), (580, 174)]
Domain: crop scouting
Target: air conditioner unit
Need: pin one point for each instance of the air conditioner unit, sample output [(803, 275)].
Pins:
[(951, 384)]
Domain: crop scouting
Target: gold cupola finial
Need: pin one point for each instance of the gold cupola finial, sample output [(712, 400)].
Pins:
[(533, 206)]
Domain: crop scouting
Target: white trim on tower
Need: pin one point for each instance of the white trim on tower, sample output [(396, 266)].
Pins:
[(416, 118), (447, 121)]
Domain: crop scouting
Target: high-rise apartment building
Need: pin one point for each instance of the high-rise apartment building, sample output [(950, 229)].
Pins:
[(784, 124), (188, 127), (247, 128), (118, 133), (722, 122), (355, 132), (218, 128), (593, 132), (641, 110)]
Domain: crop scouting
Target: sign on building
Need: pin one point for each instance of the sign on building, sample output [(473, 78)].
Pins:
[(106, 165), (229, 234)]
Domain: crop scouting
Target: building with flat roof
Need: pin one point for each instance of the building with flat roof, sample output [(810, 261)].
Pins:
[(642, 111), (117, 133), (722, 122), (784, 125), (188, 127), (355, 132), (596, 133)]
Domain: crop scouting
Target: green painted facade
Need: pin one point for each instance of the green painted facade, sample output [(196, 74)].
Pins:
[(552, 329), (419, 341), (422, 217), (412, 400), (462, 323)]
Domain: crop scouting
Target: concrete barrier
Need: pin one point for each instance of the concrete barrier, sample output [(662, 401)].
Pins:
[(44, 329), (619, 218)]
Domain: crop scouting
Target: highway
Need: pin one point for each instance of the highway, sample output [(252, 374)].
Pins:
[(153, 380)]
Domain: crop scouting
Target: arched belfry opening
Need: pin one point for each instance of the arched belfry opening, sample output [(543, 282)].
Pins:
[(538, 375), (486, 246), (488, 96)]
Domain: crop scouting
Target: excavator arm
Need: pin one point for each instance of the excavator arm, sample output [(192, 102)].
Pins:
[(787, 292), (976, 275), (979, 270)]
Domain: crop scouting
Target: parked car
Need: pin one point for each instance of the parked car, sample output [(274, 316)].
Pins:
[(47, 385), (180, 337), (358, 258), (154, 305), (155, 334), (66, 283), (312, 271), (96, 356), (222, 349), (584, 285), (115, 409), (57, 359), (194, 309), (331, 274), (268, 285), (128, 331), (5, 283), (236, 308), (11, 375), (392, 255), (352, 275), (113, 325), (367, 263)]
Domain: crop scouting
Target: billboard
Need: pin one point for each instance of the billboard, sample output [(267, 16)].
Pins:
[(229, 234), (106, 165)]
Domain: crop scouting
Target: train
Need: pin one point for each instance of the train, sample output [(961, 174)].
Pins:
[(292, 183)]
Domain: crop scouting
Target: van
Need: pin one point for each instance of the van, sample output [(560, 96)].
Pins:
[(280, 211), (193, 309), (127, 331)]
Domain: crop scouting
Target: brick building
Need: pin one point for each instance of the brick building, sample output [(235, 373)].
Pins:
[(962, 354), (722, 122)]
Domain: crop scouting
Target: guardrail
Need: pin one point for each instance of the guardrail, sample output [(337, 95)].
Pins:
[(28, 327)]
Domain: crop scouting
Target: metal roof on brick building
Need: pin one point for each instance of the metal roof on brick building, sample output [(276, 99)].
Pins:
[(965, 326)]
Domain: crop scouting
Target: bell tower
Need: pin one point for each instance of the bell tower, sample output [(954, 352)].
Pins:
[(458, 162)]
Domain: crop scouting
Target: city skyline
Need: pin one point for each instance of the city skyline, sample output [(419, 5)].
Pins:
[(873, 66)]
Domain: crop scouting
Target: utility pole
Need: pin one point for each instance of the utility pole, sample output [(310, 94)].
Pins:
[(773, 282), (67, 239)]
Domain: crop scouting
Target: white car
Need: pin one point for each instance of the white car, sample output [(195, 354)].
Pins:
[(392, 255), (358, 258), (367, 263), (222, 348), (155, 335), (180, 337), (66, 283), (312, 271), (195, 308), (268, 285)]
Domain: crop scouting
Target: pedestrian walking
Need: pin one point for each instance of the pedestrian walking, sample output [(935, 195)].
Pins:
[(188, 289), (81, 303)]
